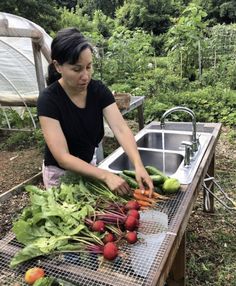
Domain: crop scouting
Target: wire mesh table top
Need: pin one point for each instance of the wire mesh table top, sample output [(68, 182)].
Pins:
[(136, 264)]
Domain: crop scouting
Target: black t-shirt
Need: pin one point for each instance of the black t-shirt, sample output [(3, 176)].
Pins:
[(82, 127)]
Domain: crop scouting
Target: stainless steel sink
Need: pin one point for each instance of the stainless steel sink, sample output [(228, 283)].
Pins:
[(152, 139), (168, 157), (150, 158)]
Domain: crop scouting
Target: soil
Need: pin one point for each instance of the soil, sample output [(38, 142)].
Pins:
[(18, 166)]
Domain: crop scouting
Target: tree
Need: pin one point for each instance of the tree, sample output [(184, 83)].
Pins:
[(41, 12), (69, 4), (108, 7), (151, 15), (184, 37), (220, 11)]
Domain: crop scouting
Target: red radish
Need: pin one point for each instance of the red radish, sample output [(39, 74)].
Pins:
[(130, 205), (110, 251), (98, 226), (109, 237), (134, 213), (131, 223), (131, 237)]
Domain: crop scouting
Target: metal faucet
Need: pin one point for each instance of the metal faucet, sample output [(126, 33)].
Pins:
[(195, 141)]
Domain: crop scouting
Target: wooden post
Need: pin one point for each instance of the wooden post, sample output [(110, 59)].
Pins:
[(38, 65), (177, 272), (199, 60)]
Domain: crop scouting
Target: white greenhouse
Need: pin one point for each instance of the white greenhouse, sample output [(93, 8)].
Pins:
[(24, 57)]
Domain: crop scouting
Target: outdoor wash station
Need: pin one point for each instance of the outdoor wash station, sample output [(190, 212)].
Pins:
[(183, 150)]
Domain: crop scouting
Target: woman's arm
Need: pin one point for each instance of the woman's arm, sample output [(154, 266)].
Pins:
[(57, 144), (126, 139)]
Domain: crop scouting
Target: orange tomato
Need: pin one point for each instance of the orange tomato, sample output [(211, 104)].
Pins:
[(33, 274)]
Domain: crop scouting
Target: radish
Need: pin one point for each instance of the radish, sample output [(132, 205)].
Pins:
[(98, 226), (109, 237), (131, 237), (131, 223), (130, 205), (134, 213), (110, 251)]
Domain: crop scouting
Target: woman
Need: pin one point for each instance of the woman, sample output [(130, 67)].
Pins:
[(71, 111)]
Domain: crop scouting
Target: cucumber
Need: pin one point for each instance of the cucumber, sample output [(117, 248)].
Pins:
[(154, 171), (158, 190), (131, 181), (130, 173), (157, 179)]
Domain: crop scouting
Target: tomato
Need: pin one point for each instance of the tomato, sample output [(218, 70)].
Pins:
[(33, 274)]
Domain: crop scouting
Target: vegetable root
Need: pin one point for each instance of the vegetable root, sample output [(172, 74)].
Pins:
[(141, 197)]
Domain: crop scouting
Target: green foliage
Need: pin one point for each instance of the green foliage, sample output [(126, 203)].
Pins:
[(108, 7), (152, 16), (211, 104), (182, 40), (47, 17), (127, 54), (18, 140), (103, 24), (18, 119), (76, 19), (220, 11)]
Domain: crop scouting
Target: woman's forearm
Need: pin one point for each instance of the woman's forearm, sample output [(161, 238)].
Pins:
[(72, 163)]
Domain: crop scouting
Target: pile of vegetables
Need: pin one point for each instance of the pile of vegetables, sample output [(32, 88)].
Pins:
[(163, 184), (82, 217)]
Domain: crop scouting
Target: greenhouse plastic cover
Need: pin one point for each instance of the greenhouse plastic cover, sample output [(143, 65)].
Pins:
[(18, 80)]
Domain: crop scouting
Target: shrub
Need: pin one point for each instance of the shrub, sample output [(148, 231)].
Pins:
[(211, 104)]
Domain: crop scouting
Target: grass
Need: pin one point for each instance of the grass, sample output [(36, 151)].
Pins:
[(211, 238)]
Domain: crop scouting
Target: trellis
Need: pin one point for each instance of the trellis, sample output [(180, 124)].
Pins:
[(221, 44)]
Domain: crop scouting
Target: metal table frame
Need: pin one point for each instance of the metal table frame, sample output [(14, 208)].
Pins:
[(135, 103)]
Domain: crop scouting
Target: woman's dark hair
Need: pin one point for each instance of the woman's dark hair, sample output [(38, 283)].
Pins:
[(66, 48)]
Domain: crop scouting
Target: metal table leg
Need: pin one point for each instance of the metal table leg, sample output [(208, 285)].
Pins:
[(140, 117)]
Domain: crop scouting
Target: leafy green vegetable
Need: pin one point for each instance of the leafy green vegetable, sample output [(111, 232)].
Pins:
[(55, 219)]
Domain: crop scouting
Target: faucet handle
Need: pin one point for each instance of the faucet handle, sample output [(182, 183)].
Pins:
[(187, 143), (197, 138), (188, 152)]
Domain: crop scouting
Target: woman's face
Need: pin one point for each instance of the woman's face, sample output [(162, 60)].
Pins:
[(77, 76)]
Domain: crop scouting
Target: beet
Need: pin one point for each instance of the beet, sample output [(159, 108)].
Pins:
[(98, 226), (110, 251), (132, 205), (131, 223), (109, 237), (134, 213), (131, 237)]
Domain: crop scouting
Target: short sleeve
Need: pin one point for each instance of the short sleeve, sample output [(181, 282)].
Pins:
[(106, 96), (46, 105)]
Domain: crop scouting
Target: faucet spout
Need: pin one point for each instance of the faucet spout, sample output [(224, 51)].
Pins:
[(194, 128)]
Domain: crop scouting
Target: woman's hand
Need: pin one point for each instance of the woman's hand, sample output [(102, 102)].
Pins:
[(144, 179), (117, 184)]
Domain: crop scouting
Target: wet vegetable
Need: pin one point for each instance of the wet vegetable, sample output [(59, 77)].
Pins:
[(110, 251), (171, 186), (33, 274)]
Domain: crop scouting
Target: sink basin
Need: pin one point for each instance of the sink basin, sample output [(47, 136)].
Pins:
[(152, 151), (152, 158), (172, 141)]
